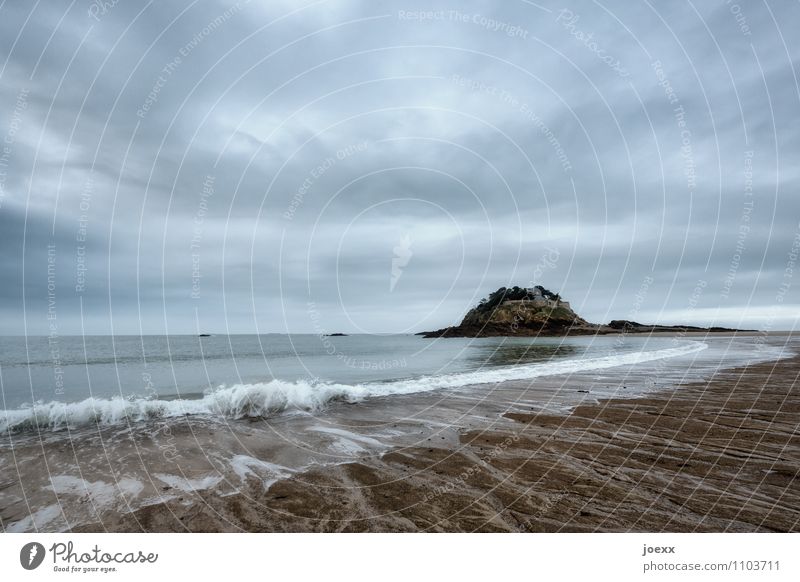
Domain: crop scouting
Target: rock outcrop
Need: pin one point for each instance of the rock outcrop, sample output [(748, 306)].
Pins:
[(519, 311), (534, 311)]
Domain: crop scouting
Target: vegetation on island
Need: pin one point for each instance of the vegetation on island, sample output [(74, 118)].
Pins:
[(515, 293)]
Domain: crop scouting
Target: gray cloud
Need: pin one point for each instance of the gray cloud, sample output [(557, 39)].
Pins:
[(637, 142)]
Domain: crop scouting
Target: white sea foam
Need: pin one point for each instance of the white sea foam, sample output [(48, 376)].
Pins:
[(100, 493), (269, 473), (189, 485), (268, 398), (348, 443), (37, 520)]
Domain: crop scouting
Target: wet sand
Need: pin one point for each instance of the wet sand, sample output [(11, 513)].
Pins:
[(717, 456)]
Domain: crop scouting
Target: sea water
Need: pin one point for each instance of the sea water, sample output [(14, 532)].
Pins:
[(104, 380)]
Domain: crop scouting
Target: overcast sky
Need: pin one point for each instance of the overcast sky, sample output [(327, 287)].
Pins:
[(273, 166)]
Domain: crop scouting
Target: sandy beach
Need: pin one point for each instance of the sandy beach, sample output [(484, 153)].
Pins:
[(717, 456)]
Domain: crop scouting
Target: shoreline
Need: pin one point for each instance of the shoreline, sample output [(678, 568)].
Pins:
[(473, 332), (721, 455)]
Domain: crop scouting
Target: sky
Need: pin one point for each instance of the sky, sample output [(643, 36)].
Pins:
[(378, 167)]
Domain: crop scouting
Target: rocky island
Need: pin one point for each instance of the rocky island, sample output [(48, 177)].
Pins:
[(535, 311)]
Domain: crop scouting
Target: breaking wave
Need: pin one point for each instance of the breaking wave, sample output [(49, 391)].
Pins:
[(273, 397)]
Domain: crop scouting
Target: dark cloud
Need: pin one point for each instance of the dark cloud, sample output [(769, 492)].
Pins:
[(379, 166)]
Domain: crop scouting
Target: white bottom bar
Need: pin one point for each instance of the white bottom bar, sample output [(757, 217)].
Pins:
[(408, 557)]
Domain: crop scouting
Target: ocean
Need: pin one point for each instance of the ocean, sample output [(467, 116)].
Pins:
[(52, 384)]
